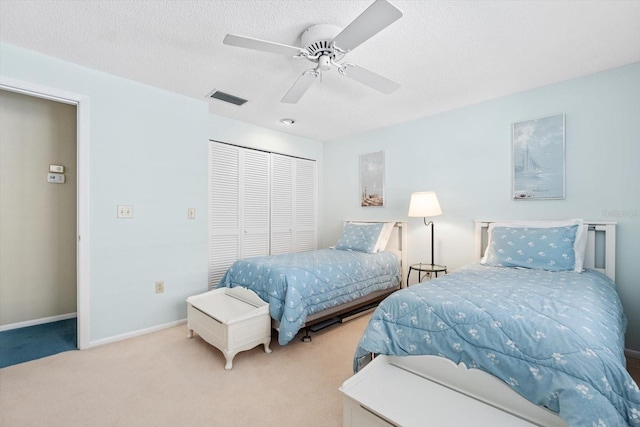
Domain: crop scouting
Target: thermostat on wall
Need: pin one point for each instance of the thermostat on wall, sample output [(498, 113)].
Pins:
[(55, 178), (56, 168)]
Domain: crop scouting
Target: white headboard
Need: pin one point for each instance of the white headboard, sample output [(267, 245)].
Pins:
[(601, 245), (397, 244)]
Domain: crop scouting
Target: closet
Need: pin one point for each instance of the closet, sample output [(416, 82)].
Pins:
[(260, 203)]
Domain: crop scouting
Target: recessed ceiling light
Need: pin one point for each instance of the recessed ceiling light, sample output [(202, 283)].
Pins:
[(287, 121)]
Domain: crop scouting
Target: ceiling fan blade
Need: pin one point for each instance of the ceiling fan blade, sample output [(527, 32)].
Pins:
[(374, 19), (301, 85), (262, 45), (369, 78)]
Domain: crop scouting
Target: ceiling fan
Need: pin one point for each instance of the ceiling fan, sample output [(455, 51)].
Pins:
[(326, 45)]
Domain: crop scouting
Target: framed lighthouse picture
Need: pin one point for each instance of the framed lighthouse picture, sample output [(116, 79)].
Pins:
[(538, 158), (372, 179)]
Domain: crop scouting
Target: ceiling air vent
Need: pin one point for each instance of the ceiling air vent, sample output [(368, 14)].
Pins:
[(222, 96)]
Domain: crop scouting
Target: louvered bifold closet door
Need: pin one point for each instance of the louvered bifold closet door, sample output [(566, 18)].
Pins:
[(224, 209), (282, 184), (255, 179), (305, 206), (260, 204)]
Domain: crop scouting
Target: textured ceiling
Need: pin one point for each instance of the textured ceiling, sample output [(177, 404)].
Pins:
[(445, 54)]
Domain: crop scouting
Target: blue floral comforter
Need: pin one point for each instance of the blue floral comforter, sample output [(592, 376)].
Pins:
[(557, 338), (297, 285)]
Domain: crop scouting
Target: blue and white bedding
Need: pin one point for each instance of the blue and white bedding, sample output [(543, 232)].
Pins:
[(556, 338), (297, 285)]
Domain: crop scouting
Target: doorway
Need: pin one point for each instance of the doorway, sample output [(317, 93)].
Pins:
[(79, 197)]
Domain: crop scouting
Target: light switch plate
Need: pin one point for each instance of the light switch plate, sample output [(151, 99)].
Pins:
[(125, 211), (191, 213)]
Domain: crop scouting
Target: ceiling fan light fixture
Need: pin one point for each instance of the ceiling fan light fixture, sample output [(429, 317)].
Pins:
[(317, 40), (287, 122)]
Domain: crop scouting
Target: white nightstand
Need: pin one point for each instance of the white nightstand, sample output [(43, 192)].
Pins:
[(231, 320)]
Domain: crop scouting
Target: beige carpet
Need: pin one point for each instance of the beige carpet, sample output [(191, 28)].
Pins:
[(165, 379)]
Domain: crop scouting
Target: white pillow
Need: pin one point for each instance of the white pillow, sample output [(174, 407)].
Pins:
[(385, 235), (580, 247), (580, 242)]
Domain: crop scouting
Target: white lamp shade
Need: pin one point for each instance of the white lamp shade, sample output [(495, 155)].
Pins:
[(424, 204)]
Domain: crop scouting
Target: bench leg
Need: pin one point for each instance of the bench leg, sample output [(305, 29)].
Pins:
[(266, 343), (228, 357)]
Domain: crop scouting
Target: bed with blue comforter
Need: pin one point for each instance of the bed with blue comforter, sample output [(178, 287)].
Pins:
[(298, 285), (556, 337)]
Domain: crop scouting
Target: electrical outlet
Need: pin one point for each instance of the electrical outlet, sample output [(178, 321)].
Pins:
[(191, 213), (159, 286)]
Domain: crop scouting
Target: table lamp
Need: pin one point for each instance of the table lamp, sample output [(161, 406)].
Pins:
[(425, 204)]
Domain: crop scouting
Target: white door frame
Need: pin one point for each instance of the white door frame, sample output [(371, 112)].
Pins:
[(82, 191)]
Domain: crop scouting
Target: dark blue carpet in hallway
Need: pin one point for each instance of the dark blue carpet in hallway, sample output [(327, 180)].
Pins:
[(33, 342)]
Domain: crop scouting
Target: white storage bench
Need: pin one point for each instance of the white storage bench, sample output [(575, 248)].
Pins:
[(230, 319)]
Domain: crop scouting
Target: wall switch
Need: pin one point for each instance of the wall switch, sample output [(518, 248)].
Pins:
[(125, 211), (56, 168), (191, 213), (159, 286), (55, 178)]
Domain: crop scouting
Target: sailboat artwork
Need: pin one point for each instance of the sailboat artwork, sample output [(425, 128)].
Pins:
[(538, 158), (372, 179)]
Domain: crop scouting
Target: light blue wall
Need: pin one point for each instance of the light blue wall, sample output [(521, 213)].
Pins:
[(148, 148), (464, 155), (240, 133)]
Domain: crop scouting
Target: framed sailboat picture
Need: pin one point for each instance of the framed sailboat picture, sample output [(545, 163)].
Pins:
[(372, 179), (539, 158)]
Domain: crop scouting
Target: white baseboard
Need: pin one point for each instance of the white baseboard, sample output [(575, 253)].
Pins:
[(35, 322), (632, 353), (136, 333)]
